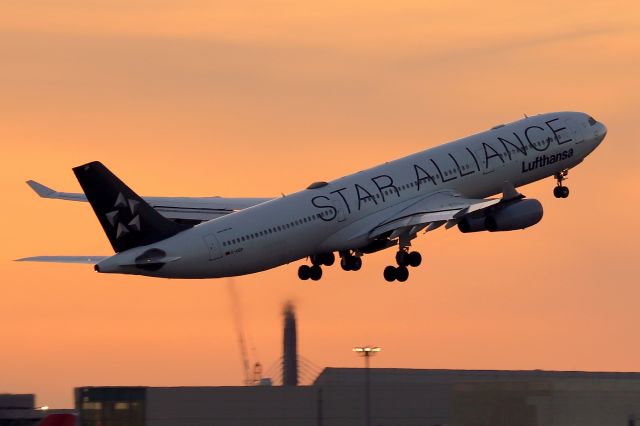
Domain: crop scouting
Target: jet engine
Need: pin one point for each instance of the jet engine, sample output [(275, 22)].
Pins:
[(518, 214)]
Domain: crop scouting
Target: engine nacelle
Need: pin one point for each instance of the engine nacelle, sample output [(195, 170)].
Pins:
[(510, 217), (518, 215), (472, 224)]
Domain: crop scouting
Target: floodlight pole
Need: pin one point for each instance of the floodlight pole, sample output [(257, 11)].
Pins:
[(367, 352)]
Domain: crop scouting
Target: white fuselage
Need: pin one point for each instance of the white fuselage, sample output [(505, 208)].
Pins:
[(331, 217)]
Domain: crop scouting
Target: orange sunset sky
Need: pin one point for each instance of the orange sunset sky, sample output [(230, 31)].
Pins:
[(258, 98)]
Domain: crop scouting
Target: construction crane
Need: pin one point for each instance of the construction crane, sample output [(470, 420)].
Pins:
[(249, 378)]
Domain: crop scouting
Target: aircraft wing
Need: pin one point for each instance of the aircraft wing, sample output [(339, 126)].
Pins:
[(188, 209), (435, 210)]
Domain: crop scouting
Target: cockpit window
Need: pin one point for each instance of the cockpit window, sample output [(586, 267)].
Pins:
[(592, 121)]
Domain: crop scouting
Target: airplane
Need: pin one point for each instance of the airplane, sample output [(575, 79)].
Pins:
[(375, 209)]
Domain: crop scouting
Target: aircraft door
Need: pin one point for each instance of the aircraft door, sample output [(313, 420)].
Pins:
[(215, 252)]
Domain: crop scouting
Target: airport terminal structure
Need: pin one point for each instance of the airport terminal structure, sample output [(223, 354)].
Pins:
[(357, 397), (399, 397)]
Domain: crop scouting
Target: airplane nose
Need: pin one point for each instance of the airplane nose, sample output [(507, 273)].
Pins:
[(602, 130)]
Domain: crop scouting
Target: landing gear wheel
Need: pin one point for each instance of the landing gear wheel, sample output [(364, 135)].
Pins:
[(315, 272), (414, 259), (561, 192), (345, 264), (390, 273), (326, 259), (304, 272), (356, 263), (402, 273), (402, 258), (557, 191), (329, 259), (351, 263)]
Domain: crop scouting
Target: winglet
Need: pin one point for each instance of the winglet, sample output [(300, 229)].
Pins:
[(41, 190), (509, 192)]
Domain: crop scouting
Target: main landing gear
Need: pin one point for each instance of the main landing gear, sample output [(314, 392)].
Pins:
[(404, 258), (314, 272), (561, 191), (349, 262)]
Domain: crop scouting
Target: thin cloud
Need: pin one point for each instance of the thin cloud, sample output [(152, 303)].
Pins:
[(512, 45)]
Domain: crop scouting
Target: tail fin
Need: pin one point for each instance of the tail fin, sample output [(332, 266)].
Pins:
[(126, 218)]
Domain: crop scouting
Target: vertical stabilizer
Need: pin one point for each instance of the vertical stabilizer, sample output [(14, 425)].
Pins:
[(126, 218)]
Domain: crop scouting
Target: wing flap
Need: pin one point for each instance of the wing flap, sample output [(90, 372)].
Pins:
[(435, 208)]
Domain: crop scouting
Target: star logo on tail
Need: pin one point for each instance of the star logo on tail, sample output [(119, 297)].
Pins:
[(125, 218)]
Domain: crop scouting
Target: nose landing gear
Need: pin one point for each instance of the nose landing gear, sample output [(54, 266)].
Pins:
[(561, 191)]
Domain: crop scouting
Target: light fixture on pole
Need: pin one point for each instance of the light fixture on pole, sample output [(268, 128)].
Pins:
[(367, 352)]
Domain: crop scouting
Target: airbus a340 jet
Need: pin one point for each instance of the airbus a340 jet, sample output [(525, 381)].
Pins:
[(375, 209)]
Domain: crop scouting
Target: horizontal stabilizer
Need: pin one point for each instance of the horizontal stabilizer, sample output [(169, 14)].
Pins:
[(90, 260), (186, 209), (46, 192)]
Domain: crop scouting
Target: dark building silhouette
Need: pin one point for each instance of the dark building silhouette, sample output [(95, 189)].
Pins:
[(290, 356)]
